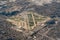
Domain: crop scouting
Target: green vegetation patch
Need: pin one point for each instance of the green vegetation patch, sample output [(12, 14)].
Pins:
[(39, 18), (31, 23)]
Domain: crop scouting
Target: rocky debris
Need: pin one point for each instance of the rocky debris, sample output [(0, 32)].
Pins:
[(6, 33)]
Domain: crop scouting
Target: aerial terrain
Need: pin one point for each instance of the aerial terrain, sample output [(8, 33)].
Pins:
[(29, 19)]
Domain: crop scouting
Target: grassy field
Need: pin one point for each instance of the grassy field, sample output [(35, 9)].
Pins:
[(31, 23)]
